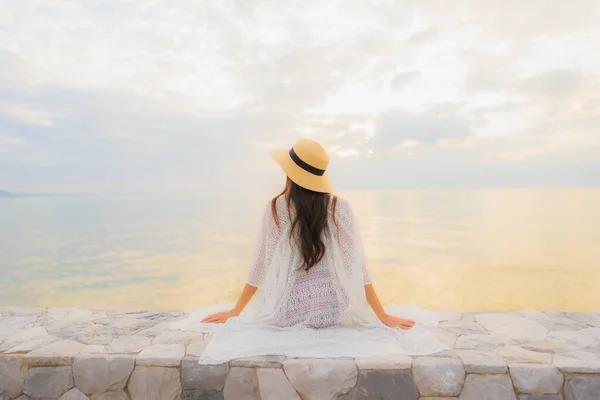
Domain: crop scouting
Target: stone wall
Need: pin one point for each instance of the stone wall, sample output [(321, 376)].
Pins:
[(74, 354)]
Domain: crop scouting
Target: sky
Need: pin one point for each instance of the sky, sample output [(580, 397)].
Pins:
[(189, 96)]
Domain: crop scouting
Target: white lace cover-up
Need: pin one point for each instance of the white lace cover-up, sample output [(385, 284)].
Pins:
[(322, 312)]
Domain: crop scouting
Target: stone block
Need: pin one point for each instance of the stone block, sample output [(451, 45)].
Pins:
[(161, 355), (536, 379), (438, 376), (494, 387), (55, 354), (389, 362), (195, 376), (154, 383), (477, 362), (274, 385), (241, 384), (102, 373), (582, 388), (48, 382), (12, 375), (321, 379), (384, 385)]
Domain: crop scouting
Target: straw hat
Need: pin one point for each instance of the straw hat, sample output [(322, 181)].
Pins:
[(305, 165)]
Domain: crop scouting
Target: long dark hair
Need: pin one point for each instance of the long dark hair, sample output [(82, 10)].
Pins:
[(309, 219)]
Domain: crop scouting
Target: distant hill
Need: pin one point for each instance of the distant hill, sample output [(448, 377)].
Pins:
[(4, 193)]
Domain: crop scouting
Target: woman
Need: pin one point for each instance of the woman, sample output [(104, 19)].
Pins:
[(310, 284), (309, 263)]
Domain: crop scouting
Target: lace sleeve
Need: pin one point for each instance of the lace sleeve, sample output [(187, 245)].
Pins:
[(265, 248), (350, 242)]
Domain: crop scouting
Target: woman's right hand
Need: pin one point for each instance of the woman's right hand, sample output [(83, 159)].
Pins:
[(397, 322), (220, 317)]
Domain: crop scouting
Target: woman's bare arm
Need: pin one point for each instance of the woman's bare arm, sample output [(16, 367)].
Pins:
[(384, 317), (243, 300)]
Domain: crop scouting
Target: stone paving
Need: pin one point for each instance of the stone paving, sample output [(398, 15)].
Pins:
[(78, 354)]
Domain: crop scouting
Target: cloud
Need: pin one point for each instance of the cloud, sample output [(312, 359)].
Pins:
[(127, 95), (26, 115), (403, 78), (428, 126)]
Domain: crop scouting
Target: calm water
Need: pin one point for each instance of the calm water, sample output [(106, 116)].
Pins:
[(469, 250)]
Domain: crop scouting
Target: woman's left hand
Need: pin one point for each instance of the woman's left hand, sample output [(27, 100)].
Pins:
[(220, 317)]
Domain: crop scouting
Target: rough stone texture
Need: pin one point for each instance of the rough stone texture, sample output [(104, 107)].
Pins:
[(438, 398), (12, 375), (200, 395), (32, 344), (518, 355), (184, 338), (115, 395), (102, 373), (48, 382), (154, 383), (573, 340), (241, 384), (384, 362), (321, 379), (545, 346), (161, 355), (125, 326), (463, 327), (477, 362), (384, 385), (202, 377), (536, 379), (438, 376), (578, 362), (128, 344), (273, 385), (259, 362), (448, 338), (512, 326), (592, 318), (482, 342), (550, 344), (59, 353), (74, 394), (23, 336), (561, 324), (582, 388), (196, 349), (448, 315), (94, 349), (488, 387)]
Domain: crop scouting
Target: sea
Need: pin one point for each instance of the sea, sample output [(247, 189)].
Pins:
[(470, 250)]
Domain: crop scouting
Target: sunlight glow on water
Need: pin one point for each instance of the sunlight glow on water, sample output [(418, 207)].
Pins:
[(467, 250)]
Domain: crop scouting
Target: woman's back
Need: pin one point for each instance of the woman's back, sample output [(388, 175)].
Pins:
[(314, 297)]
